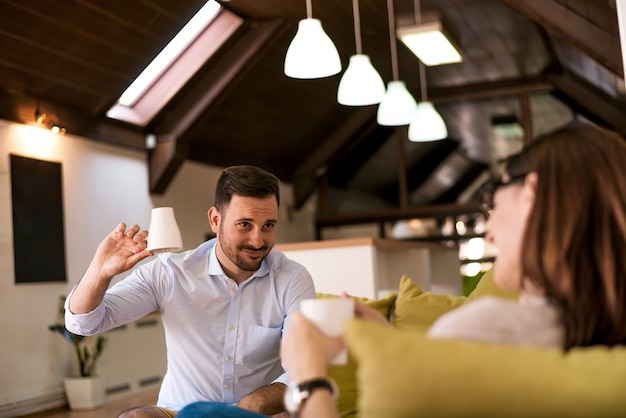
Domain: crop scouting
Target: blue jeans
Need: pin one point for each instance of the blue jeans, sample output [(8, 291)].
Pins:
[(215, 410)]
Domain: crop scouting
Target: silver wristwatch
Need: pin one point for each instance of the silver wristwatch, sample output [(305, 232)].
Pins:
[(298, 392)]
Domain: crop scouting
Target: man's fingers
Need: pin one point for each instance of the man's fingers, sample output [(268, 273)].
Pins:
[(119, 229), (141, 236), (132, 231)]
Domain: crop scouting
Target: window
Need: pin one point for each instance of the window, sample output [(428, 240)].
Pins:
[(204, 34)]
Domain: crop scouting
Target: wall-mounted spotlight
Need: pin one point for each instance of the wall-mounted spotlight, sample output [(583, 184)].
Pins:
[(48, 121)]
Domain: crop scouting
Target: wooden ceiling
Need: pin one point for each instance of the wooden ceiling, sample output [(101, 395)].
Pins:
[(544, 61)]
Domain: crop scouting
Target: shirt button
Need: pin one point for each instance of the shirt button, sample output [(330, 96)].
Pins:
[(232, 327), (229, 359), (226, 386)]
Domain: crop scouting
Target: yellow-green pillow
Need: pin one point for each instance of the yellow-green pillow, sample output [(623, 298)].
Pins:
[(404, 374), (345, 375), (416, 310)]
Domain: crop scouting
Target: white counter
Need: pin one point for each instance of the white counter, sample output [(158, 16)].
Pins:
[(371, 267)]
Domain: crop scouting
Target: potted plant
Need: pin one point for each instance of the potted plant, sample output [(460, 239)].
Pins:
[(86, 391)]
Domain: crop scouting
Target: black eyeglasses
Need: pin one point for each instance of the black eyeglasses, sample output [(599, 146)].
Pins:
[(487, 190)]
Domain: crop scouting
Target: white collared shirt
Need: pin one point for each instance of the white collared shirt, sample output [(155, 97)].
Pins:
[(222, 339)]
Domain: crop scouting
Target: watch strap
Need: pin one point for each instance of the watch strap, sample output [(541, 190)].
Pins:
[(311, 385), (305, 390)]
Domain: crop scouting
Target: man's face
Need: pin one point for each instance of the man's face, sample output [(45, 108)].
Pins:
[(246, 232)]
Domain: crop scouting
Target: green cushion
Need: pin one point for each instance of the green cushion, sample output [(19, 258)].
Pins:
[(404, 374), (345, 375)]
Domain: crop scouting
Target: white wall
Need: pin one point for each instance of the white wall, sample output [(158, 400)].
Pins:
[(102, 186)]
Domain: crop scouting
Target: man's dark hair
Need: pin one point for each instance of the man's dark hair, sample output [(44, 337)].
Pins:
[(247, 181)]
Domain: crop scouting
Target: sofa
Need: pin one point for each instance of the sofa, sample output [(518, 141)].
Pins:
[(398, 372)]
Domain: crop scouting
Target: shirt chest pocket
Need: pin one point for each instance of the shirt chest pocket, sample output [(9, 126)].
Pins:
[(262, 344)]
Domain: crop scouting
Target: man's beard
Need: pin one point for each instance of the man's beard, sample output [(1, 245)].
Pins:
[(239, 261)]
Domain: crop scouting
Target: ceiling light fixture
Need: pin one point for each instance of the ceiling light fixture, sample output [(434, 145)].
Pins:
[(398, 107), (430, 43), (311, 54), (361, 85), (427, 125)]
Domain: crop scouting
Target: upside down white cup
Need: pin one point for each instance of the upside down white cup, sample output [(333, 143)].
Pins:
[(330, 316), (164, 235)]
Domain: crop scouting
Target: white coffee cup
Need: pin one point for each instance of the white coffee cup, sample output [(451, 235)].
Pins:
[(164, 235), (330, 316)]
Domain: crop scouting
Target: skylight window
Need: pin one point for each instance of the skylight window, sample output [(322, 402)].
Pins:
[(204, 34)]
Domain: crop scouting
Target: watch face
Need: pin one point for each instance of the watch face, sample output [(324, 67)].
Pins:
[(293, 398)]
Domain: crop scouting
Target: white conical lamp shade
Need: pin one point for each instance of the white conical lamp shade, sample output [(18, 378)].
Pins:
[(311, 53), (398, 106), (427, 125), (361, 85)]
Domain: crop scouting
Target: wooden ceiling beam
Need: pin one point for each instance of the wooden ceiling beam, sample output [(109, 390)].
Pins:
[(387, 215), (502, 88), (220, 76), (355, 129), (21, 108), (595, 41), (589, 100), (304, 180)]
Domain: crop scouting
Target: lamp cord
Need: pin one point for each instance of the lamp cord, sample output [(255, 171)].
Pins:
[(418, 12), (418, 20), (309, 11), (357, 26), (392, 40)]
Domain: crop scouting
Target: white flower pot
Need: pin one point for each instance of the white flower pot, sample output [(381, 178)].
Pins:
[(85, 392)]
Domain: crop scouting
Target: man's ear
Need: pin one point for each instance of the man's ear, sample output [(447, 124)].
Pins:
[(214, 219)]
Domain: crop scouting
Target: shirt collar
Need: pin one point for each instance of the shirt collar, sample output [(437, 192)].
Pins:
[(215, 268)]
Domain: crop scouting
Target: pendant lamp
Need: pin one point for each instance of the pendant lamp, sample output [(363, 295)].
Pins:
[(311, 54), (427, 124), (398, 107), (361, 85)]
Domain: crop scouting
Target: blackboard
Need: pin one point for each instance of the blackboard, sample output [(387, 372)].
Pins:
[(38, 229)]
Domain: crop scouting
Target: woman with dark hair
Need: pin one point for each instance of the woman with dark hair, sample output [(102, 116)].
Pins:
[(558, 219)]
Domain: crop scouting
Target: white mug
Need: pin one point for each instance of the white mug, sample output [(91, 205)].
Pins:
[(164, 235), (330, 316)]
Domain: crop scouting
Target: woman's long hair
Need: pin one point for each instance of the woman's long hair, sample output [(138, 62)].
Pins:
[(575, 241)]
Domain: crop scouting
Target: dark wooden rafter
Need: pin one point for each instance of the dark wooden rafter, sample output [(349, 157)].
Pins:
[(354, 130), (332, 149), (527, 122), (21, 108), (501, 88), (594, 41), (387, 215), (589, 100), (202, 93), (403, 190)]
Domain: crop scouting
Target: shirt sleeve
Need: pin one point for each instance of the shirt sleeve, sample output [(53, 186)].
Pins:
[(129, 299)]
